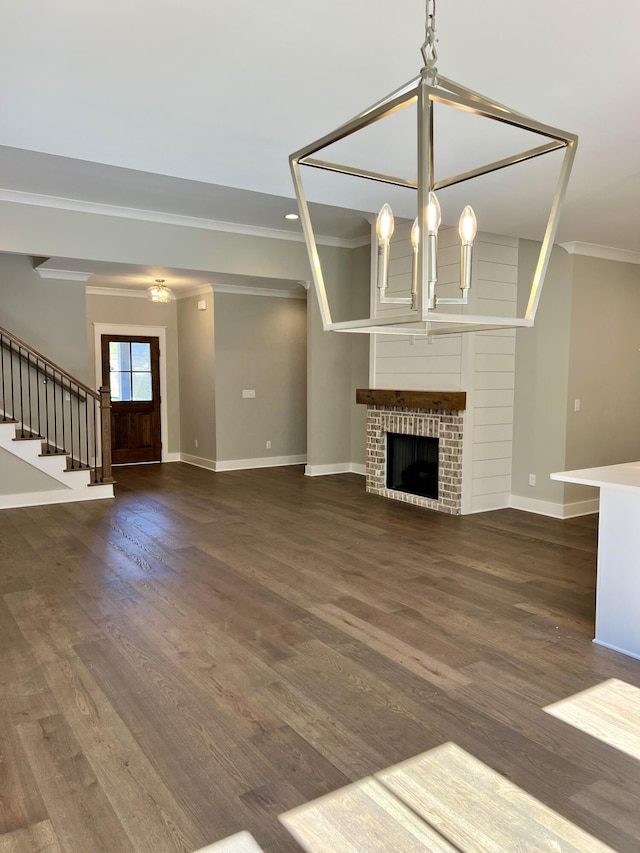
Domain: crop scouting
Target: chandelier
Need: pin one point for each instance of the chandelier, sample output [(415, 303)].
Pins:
[(425, 312), (159, 292)]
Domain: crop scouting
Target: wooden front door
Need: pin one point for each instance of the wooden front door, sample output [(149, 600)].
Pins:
[(131, 368)]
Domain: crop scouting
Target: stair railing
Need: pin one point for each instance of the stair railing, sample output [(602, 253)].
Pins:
[(49, 404)]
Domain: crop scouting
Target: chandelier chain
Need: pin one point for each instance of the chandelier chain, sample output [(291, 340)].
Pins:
[(428, 49)]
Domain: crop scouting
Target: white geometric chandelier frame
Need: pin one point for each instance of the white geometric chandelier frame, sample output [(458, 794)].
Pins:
[(426, 90)]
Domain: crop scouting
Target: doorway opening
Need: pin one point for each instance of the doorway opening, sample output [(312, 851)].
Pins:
[(131, 369)]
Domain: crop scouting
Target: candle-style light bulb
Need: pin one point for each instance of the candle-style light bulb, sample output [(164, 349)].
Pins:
[(384, 231), (468, 227), (434, 217), (415, 243), (415, 234), (434, 214), (385, 223)]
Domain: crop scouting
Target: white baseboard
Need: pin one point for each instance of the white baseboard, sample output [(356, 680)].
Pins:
[(55, 496), (172, 457), (264, 462), (242, 464), (555, 510), (616, 649), (198, 461), (334, 468), (486, 503)]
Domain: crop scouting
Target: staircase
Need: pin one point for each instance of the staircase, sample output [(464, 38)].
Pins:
[(55, 425)]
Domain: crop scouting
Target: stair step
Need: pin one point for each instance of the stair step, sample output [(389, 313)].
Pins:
[(77, 466), (30, 437), (96, 479), (50, 450)]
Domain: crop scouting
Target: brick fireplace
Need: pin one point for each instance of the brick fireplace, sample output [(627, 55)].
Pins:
[(433, 414)]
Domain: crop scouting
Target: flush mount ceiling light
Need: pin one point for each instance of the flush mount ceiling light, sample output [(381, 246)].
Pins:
[(159, 292), (424, 314), (292, 216)]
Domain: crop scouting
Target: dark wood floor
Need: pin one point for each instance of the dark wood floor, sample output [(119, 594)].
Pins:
[(210, 650)]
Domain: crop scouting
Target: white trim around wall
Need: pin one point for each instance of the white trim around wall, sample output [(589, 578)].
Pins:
[(244, 290), (555, 510), (335, 468), (63, 275), (242, 464), (52, 496), (159, 332), (91, 290), (203, 290), (101, 209), (607, 253)]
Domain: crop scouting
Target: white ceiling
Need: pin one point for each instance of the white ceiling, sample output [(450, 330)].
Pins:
[(193, 107)]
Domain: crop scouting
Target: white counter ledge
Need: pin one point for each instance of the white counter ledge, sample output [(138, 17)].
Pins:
[(625, 476), (618, 576)]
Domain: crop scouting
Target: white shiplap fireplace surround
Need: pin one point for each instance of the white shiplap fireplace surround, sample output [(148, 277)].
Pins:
[(419, 413), (479, 364)]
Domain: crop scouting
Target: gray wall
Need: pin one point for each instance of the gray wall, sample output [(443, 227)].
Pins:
[(260, 345), (542, 377), (197, 376), (584, 346), (17, 477), (338, 362), (604, 367), (123, 310), (47, 315), (50, 317), (28, 229)]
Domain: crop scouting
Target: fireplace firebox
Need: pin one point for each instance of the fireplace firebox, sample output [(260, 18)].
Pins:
[(412, 464)]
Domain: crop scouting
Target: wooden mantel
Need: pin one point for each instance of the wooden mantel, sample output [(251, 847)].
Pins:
[(443, 401)]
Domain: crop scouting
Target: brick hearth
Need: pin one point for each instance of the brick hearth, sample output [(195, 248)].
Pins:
[(446, 426)]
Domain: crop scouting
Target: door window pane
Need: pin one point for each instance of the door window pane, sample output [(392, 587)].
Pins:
[(119, 355), (124, 383), (130, 371), (142, 386), (115, 385), (140, 356)]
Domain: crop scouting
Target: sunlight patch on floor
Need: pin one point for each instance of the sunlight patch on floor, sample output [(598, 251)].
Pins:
[(609, 712), (442, 800)]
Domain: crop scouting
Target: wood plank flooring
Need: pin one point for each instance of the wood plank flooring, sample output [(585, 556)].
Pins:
[(211, 650)]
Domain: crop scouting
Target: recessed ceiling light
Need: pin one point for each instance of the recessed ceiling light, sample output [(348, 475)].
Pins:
[(291, 216)]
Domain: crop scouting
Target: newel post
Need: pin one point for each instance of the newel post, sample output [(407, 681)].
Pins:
[(105, 429)]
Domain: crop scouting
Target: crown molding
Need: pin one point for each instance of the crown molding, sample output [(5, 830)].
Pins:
[(358, 242), (607, 253), (63, 275), (202, 290), (90, 290), (79, 206), (259, 291), (199, 290)]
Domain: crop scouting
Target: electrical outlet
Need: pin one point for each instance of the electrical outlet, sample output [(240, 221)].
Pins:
[(196, 443), (268, 445), (248, 394), (576, 405), (532, 479)]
